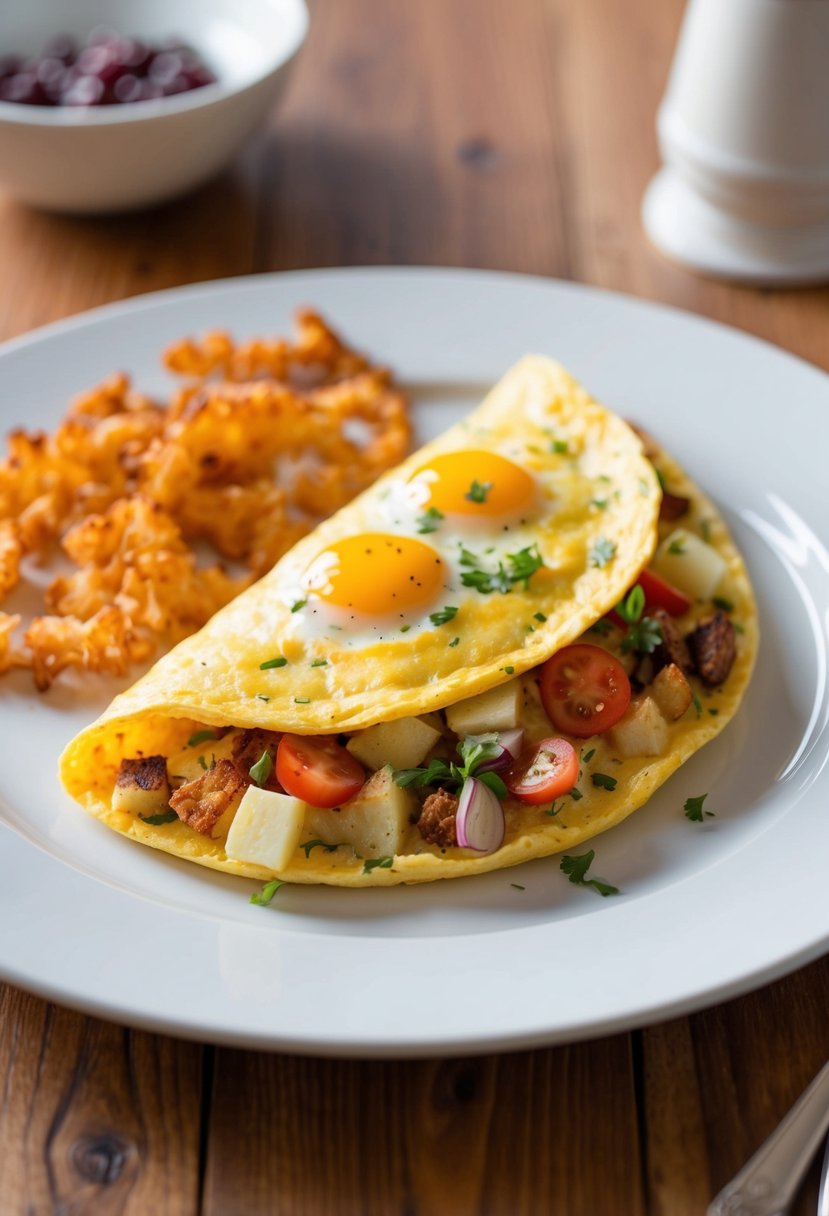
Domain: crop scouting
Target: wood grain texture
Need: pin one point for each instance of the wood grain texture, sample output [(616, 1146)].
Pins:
[(477, 133)]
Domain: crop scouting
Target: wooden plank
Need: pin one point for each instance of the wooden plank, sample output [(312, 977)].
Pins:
[(717, 1084), (514, 1135), (95, 1117)]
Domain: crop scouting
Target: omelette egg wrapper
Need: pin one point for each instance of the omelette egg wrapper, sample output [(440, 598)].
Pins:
[(594, 520)]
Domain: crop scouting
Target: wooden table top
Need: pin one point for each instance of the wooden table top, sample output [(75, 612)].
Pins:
[(479, 133)]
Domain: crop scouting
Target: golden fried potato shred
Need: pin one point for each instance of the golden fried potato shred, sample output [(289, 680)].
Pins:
[(264, 440)]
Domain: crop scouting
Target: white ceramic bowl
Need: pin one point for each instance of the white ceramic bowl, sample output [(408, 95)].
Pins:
[(114, 158)]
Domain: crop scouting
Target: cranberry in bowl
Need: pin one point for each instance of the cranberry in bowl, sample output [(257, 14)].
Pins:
[(111, 105)]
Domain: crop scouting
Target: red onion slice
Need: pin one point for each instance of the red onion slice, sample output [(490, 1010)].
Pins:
[(479, 822), (509, 743)]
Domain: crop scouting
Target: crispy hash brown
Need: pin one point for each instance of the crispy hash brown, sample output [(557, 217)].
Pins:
[(264, 440)]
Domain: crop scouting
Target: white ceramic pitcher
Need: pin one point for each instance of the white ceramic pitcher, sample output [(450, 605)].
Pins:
[(744, 135)]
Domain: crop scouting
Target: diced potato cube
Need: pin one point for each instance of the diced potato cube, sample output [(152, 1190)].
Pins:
[(497, 709), (689, 564), (185, 764), (641, 732), (141, 787), (671, 692), (374, 822), (402, 744), (266, 828)]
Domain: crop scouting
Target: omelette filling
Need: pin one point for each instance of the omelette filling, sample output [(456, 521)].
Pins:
[(461, 780)]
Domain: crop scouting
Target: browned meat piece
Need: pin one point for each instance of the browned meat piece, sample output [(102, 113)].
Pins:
[(248, 749), (672, 648), (201, 803), (437, 819), (149, 773), (713, 646), (673, 506)]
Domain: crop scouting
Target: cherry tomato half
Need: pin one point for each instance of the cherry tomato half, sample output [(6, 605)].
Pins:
[(584, 689), (318, 770), (659, 594), (550, 771)]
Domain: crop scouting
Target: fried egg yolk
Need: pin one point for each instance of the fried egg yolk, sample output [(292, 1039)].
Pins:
[(474, 484), (375, 574)]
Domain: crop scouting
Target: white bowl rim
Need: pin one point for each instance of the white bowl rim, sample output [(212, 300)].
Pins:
[(18, 114)]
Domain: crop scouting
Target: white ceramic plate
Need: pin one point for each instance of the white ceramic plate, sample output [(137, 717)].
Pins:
[(706, 910)]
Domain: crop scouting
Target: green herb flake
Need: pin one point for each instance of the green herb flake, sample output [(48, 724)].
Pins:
[(602, 552), (262, 769), (588, 756), (575, 866), (719, 601), (510, 671), (693, 809), (603, 782), (320, 663), (201, 736), (443, 615), (203, 763), (601, 627), (260, 696), (517, 886), (430, 520), (738, 627), (279, 661), (697, 705), (539, 616), (264, 897), (677, 547), (713, 712), (522, 566), (576, 794), (660, 477), (309, 845), (478, 491), (454, 642), (705, 529), (156, 820), (302, 700), (295, 607), (405, 628), (377, 863), (559, 446), (555, 809), (599, 503)]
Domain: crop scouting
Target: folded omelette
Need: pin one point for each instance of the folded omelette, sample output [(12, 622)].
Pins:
[(499, 650)]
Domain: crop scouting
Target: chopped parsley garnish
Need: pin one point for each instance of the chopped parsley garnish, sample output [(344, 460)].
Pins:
[(575, 866), (602, 552), (588, 756), (377, 863), (260, 696), (599, 503), (454, 642), (295, 607), (693, 809), (644, 632), (157, 820), (201, 736), (508, 670), (559, 446), (405, 628), (443, 615), (555, 809), (576, 794), (302, 700), (310, 845), (262, 769), (474, 750), (203, 763), (603, 781), (677, 547), (478, 491), (713, 712), (430, 520), (539, 616), (518, 886), (705, 528), (279, 661), (320, 663), (719, 601), (267, 893), (660, 477), (522, 566)]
